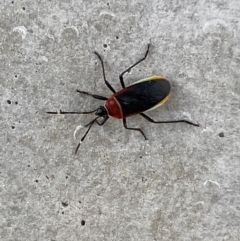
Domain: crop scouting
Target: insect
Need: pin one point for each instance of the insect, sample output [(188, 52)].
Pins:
[(137, 98)]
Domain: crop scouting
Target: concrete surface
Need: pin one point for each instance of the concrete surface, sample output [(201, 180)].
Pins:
[(182, 184)]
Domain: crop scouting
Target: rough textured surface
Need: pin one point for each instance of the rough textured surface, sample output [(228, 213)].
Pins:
[(182, 184)]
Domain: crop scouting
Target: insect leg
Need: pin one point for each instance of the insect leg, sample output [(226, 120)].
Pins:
[(103, 122), (89, 125), (139, 61), (171, 121), (104, 76), (99, 123), (134, 129), (99, 97)]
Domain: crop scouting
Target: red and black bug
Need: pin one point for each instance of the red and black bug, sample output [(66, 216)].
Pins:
[(143, 95)]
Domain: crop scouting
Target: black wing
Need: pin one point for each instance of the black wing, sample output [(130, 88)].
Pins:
[(142, 96)]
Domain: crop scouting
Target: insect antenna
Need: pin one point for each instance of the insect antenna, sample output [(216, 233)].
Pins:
[(71, 112)]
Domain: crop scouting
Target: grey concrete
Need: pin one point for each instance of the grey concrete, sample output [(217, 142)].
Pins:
[(182, 184)]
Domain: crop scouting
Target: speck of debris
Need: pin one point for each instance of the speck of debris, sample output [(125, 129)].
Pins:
[(64, 204), (83, 222), (221, 134)]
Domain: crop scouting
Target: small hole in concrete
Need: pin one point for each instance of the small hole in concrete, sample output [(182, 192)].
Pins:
[(117, 37), (36, 181), (64, 204), (13, 127), (221, 134), (16, 102), (105, 45), (9, 102), (23, 8), (144, 179), (83, 222)]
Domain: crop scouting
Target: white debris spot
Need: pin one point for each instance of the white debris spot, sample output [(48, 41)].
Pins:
[(51, 36), (207, 129), (76, 130), (22, 30), (44, 58), (214, 182), (75, 29), (187, 115), (200, 202), (104, 12)]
